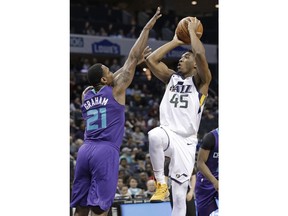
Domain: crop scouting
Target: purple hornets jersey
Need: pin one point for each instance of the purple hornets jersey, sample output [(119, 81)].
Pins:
[(204, 190), (104, 117)]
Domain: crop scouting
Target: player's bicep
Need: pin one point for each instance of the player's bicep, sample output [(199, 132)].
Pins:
[(124, 75)]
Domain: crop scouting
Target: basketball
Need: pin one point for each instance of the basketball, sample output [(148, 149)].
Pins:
[(182, 30)]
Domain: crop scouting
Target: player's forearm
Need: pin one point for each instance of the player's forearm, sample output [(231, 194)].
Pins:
[(192, 182), (159, 53), (196, 45), (202, 167), (140, 44), (199, 53)]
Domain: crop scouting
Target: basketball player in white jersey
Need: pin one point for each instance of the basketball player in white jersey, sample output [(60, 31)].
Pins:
[(180, 114)]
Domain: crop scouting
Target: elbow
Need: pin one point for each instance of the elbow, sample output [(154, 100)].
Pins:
[(150, 60), (208, 77), (199, 166)]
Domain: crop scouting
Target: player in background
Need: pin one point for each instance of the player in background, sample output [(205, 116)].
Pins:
[(103, 107), (180, 114), (206, 188)]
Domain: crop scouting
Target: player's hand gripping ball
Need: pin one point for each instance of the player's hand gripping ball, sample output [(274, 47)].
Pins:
[(182, 30)]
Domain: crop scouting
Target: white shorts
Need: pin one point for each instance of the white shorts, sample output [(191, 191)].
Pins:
[(181, 151)]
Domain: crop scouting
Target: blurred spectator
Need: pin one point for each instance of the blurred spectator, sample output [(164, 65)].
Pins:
[(126, 153), (149, 170), (150, 188), (133, 189), (115, 65), (80, 133), (125, 166), (143, 178), (120, 184), (152, 122), (141, 123), (89, 30), (103, 32), (132, 32), (85, 66), (138, 137), (124, 193)]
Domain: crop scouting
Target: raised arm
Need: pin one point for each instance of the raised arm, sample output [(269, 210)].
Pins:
[(203, 76), (124, 76), (153, 61)]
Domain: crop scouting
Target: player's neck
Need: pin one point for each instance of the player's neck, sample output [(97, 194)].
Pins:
[(98, 87)]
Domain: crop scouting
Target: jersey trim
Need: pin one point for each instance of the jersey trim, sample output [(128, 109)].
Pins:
[(168, 139)]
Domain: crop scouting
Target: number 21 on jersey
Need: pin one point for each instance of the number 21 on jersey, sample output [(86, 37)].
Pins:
[(97, 118)]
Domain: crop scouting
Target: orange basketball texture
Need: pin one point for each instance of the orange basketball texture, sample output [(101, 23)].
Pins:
[(182, 30)]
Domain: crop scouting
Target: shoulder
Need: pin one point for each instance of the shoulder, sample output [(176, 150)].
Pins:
[(208, 141)]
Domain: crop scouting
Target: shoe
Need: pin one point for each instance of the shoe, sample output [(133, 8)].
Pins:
[(161, 193)]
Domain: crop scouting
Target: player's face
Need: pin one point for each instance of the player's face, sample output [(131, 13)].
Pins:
[(186, 63), (107, 75)]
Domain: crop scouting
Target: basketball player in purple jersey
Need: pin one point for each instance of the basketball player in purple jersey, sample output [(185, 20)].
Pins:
[(206, 189), (103, 106)]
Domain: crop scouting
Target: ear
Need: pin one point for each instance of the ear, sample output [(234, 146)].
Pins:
[(103, 80)]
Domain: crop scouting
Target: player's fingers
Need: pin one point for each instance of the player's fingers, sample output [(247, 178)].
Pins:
[(158, 13)]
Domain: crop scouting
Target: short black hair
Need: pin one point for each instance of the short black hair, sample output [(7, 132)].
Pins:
[(95, 73)]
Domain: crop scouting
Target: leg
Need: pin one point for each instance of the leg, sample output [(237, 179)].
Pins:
[(82, 180), (191, 210), (158, 142), (97, 211), (179, 198), (81, 211)]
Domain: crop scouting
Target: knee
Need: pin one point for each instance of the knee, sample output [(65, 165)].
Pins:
[(154, 136)]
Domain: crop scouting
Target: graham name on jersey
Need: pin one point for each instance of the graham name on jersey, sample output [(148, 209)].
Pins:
[(95, 101)]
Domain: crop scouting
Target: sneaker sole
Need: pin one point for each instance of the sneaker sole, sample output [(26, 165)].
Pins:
[(156, 201)]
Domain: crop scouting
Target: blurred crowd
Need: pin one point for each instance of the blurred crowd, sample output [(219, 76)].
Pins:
[(114, 20)]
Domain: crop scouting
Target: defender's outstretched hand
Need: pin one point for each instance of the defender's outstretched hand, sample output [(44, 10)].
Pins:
[(152, 21)]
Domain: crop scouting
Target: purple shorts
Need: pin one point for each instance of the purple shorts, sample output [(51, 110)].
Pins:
[(96, 176), (206, 197), (208, 209)]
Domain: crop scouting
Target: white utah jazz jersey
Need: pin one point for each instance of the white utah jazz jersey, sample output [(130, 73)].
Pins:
[(182, 106)]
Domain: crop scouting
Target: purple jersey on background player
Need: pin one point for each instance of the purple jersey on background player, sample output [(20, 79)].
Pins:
[(204, 190), (105, 119)]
